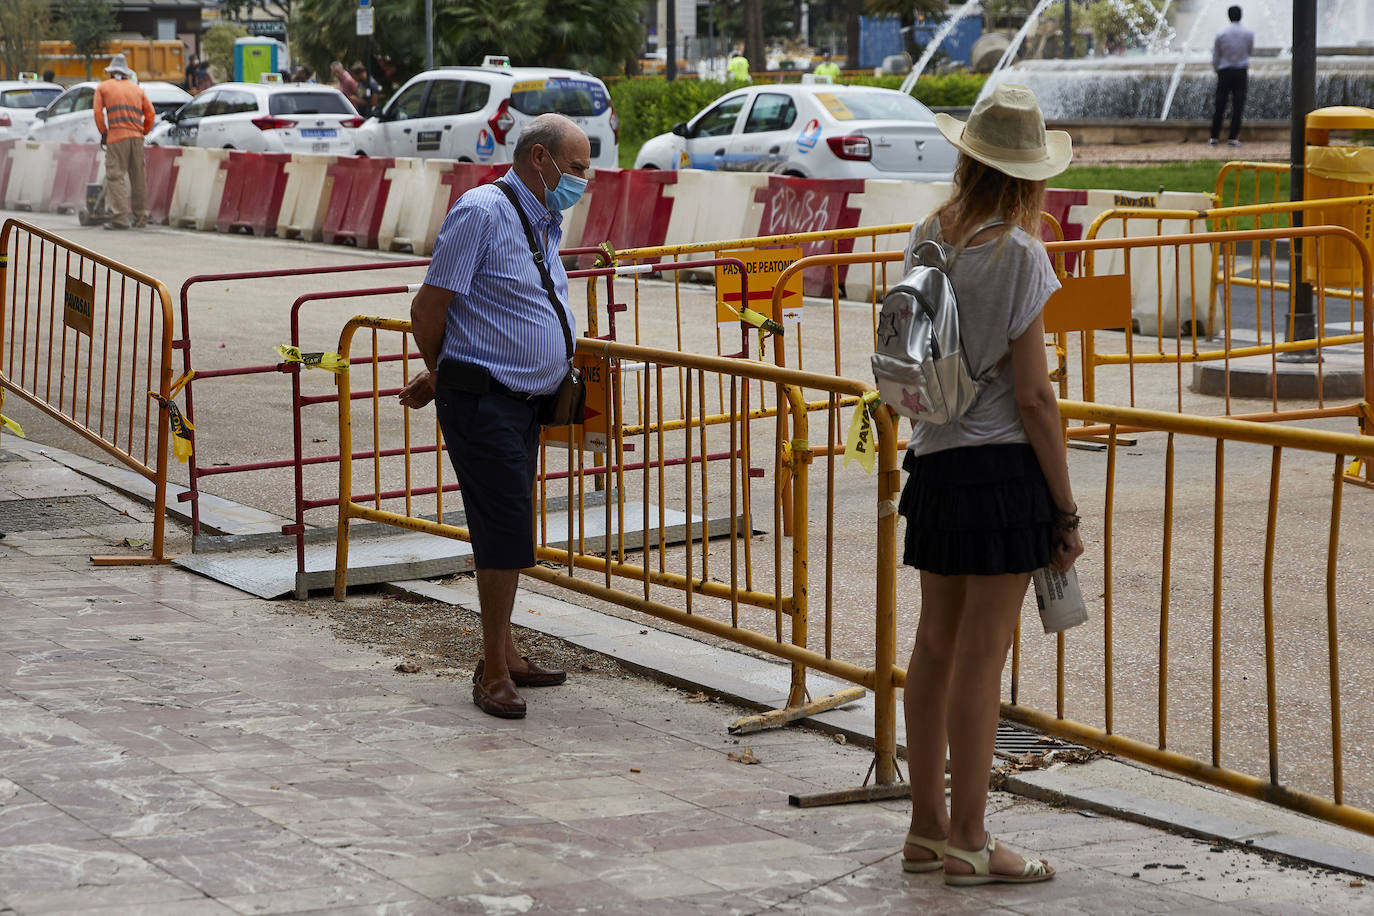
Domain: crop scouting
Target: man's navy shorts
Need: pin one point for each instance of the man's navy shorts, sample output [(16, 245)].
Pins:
[(493, 442)]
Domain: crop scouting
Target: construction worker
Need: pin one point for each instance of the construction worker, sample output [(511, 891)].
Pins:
[(123, 115), (739, 67), (828, 67)]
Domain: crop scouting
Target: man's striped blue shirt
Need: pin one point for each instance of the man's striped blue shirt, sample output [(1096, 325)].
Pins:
[(500, 317)]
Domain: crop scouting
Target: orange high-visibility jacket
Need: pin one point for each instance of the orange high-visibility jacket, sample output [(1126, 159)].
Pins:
[(122, 110)]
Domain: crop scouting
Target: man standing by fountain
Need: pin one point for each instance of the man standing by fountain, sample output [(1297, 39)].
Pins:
[(1231, 59)]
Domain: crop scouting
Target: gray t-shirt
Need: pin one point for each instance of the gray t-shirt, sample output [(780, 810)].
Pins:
[(1232, 48), (1001, 285)]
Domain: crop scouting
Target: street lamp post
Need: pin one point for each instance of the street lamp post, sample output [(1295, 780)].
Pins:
[(1304, 83)]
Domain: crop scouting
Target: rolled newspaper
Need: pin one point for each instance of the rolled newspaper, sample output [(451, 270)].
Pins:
[(1059, 599)]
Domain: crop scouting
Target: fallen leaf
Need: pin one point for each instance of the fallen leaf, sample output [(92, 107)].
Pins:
[(699, 697), (634, 769), (137, 543), (1357, 884), (531, 610), (745, 756), (643, 632), (408, 668), (841, 739)]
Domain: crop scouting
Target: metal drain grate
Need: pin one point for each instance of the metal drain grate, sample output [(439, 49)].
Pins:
[(1014, 742), (55, 513)]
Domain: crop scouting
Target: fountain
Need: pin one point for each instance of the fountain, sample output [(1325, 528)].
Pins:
[(1176, 82), (972, 6)]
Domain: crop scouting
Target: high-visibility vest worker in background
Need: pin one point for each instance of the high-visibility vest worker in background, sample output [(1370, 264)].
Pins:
[(123, 115), (828, 68), (739, 67)]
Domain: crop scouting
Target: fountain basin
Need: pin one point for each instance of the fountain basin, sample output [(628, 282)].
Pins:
[(1134, 88)]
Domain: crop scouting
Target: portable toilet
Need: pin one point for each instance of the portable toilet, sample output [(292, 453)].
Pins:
[(254, 56)]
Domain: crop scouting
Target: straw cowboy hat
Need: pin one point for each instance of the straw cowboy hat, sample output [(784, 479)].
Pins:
[(119, 65), (1007, 131)]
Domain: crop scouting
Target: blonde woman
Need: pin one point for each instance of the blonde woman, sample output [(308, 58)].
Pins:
[(988, 498)]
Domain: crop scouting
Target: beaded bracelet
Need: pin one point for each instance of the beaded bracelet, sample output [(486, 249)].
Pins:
[(1065, 521)]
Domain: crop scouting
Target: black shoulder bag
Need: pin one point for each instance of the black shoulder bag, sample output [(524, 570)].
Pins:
[(568, 404)]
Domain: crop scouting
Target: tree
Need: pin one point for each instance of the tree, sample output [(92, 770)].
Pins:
[(88, 24), (753, 35), (23, 23), (242, 10), (324, 30), (595, 35), (218, 49)]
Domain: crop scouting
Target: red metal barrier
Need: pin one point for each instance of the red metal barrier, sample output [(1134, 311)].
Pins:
[(162, 179), (78, 164), (1058, 203), (468, 175), (253, 187), (792, 205), (627, 208), (5, 147), (356, 201)]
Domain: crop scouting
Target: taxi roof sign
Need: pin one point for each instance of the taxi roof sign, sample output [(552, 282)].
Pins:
[(28, 76), (818, 78), (496, 60), (269, 77)]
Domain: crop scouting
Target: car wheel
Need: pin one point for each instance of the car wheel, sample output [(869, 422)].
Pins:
[(464, 159), (649, 165), (360, 154), (793, 173), (227, 146)]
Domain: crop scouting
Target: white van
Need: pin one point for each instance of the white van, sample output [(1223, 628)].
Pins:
[(475, 114)]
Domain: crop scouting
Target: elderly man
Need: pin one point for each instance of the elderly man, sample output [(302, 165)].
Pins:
[(123, 115), (485, 323)]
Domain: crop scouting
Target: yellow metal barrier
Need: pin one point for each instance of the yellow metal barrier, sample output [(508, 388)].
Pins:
[(652, 543), (1232, 655), (689, 336), (88, 341)]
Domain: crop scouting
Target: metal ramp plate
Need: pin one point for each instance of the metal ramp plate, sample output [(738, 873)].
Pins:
[(265, 566)]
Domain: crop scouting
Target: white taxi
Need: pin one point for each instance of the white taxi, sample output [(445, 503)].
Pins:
[(20, 101), (811, 129), (475, 114), (69, 118), (263, 118)]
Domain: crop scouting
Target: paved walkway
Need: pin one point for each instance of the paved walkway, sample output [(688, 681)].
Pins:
[(168, 745)]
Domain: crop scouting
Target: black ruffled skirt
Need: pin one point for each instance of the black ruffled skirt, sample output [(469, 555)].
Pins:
[(981, 510)]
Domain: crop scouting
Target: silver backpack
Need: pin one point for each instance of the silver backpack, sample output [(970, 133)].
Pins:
[(920, 366)]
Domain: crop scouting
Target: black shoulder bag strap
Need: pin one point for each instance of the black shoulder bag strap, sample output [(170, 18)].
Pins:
[(538, 254)]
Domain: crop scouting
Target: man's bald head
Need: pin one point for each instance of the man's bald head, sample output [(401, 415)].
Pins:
[(552, 131)]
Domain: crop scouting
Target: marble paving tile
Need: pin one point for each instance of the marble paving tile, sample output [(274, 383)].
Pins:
[(261, 868), (63, 866), (147, 805), (575, 809), (645, 879), (376, 807), (498, 870), (125, 897), (27, 819), (330, 899)]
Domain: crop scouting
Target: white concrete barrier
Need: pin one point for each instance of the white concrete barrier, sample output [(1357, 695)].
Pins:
[(33, 167), (415, 206), (885, 202), (305, 200), (199, 189), (1185, 271), (714, 205)]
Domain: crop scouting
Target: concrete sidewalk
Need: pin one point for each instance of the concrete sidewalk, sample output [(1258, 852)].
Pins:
[(168, 745)]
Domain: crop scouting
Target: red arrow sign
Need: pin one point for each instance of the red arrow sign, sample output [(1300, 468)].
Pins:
[(759, 294)]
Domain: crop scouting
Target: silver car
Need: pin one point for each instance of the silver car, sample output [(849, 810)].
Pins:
[(264, 118), (811, 130), (20, 101)]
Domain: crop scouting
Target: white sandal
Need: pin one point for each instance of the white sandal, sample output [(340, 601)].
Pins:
[(1031, 872), (924, 865)]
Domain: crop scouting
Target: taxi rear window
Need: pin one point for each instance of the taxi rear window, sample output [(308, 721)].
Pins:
[(873, 105), (282, 103), (572, 97), (28, 98)]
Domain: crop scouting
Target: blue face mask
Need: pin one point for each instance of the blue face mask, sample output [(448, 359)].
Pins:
[(568, 191)]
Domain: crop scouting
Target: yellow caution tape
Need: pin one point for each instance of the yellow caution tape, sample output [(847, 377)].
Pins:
[(606, 256), (182, 382), (760, 321), (860, 445), (6, 422), (333, 362), (181, 428)]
